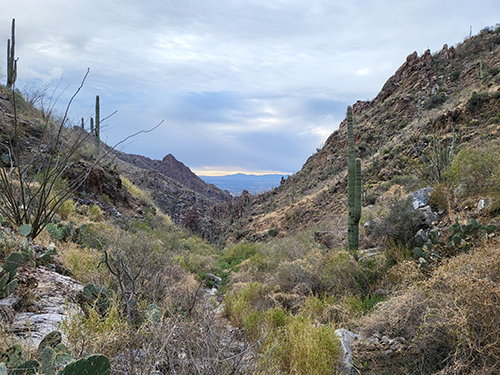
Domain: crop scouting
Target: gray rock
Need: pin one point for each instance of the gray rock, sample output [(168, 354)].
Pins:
[(215, 279), (482, 204), (54, 297), (347, 339), (421, 197), (369, 253), (428, 215), (421, 237)]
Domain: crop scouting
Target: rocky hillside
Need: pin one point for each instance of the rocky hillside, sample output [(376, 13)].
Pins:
[(452, 96), (173, 169)]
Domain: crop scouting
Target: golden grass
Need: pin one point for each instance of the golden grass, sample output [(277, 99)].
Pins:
[(452, 319), (83, 263)]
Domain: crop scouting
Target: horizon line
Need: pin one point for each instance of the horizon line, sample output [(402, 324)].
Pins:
[(219, 173)]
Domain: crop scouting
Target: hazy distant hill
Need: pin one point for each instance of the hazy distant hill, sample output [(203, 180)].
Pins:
[(236, 183)]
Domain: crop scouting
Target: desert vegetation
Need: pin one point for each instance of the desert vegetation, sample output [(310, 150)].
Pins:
[(263, 285)]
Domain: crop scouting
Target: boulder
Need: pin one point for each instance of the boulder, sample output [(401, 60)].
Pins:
[(482, 204), (347, 339), (428, 215), (49, 304), (421, 197)]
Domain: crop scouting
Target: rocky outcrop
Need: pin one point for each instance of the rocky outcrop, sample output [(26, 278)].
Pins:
[(175, 170), (39, 311)]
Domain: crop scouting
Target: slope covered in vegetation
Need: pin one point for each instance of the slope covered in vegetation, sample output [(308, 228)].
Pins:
[(422, 291)]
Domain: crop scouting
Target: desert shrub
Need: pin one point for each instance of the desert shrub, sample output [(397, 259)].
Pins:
[(146, 257), (477, 100), (436, 100), (239, 304), (290, 274), (235, 254), (92, 333), (476, 171), (403, 274), (95, 235), (67, 209), (196, 255), (278, 317), (83, 263), (96, 213), (454, 75), (308, 349), (451, 320), (399, 224), (341, 275), (440, 198)]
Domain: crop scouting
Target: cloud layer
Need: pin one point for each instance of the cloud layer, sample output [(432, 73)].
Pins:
[(252, 86)]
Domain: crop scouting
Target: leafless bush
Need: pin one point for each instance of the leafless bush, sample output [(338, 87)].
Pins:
[(32, 168), (42, 97)]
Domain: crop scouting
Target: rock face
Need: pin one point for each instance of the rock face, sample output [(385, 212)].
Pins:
[(173, 169), (421, 197), (48, 305)]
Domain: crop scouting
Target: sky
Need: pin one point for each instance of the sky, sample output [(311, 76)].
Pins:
[(252, 86)]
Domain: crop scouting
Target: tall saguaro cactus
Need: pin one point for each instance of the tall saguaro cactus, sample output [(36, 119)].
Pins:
[(11, 60), (353, 187), (97, 122)]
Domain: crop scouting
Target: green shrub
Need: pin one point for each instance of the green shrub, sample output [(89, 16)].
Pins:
[(399, 224), (477, 171), (440, 198), (476, 101), (436, 100), (234, 255), (67, 209)]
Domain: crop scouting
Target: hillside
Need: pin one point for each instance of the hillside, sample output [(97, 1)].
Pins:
[(173, 169), (236, 183), (142, 262), (451, 94)]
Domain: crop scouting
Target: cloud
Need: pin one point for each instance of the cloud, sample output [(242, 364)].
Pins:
[(241, 84)]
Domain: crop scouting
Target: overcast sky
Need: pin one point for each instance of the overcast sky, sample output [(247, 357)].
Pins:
[(242, 85)]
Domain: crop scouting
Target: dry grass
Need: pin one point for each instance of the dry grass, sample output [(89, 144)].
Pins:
[(452, 320)]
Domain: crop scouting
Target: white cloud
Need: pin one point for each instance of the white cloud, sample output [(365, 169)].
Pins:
[(226, 73)]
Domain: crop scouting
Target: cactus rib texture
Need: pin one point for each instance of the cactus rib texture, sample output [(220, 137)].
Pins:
[(97, 122), (11, 60)]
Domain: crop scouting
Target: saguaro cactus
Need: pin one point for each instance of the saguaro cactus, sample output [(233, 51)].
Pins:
[(97, 122), (353, 187), (11, 60)]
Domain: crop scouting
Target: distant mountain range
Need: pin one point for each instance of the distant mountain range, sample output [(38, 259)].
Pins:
[(236, 183)]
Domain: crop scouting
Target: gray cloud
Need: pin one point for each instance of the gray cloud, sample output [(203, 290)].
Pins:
[(242, 85)]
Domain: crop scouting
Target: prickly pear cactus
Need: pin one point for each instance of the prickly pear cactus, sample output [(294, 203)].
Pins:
[(8, 288), (13, 356), (24, 230), (26, 368), (12, 263), (93, 365), (52, 340), (47, 357), (94, 296)]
